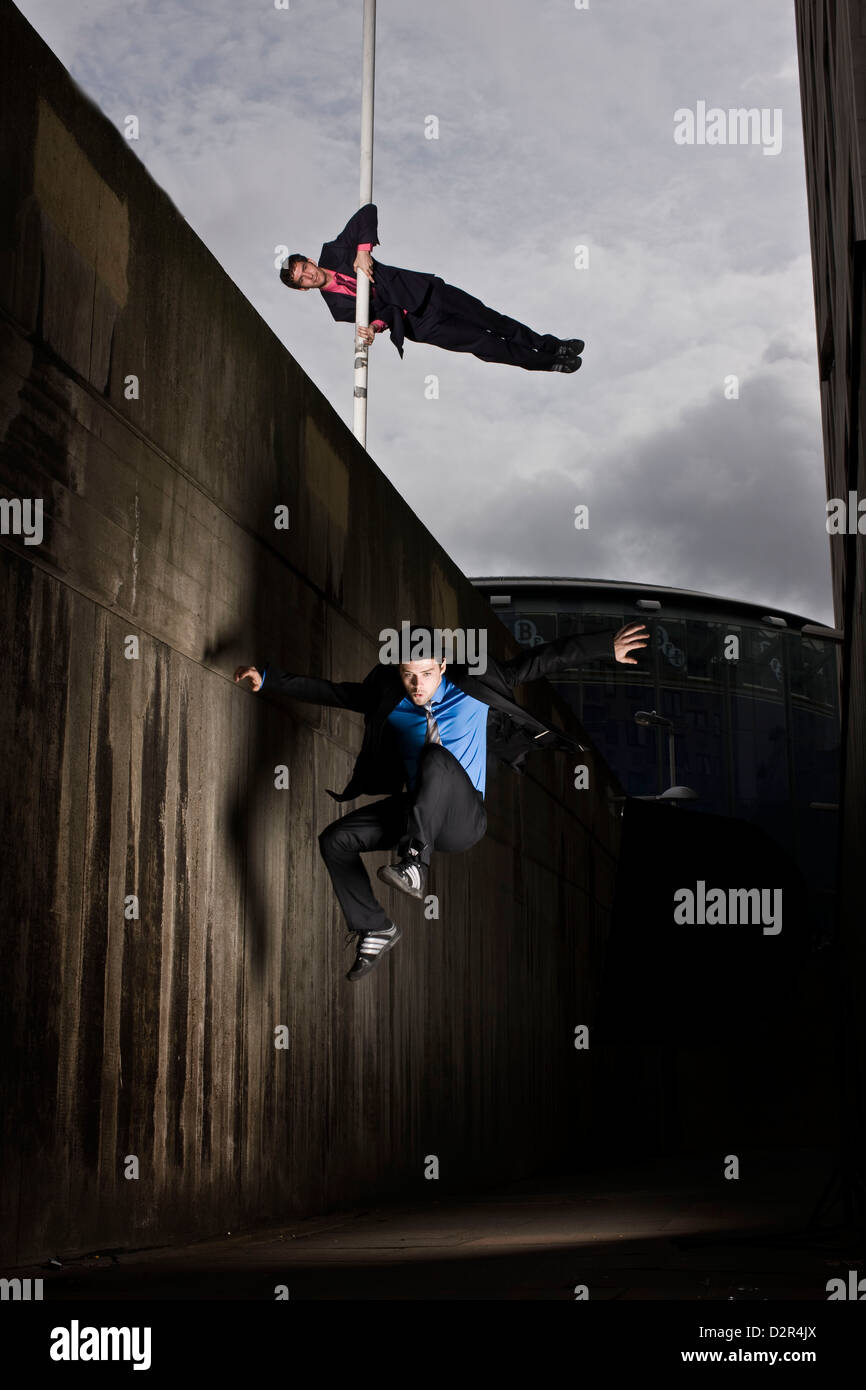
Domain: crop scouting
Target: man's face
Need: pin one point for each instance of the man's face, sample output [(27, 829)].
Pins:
[(307, 275), (421, 679)]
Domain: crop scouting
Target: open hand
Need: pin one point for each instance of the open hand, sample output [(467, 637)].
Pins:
[(633, 635)]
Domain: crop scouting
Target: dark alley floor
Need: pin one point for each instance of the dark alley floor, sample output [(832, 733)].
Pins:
[(662, 1233)]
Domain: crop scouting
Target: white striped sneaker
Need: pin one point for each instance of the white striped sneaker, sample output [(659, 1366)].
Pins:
[(372, 946), (409, 875)]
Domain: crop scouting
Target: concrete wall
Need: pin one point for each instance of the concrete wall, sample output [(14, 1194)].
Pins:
[(154, 776), (831, 42)]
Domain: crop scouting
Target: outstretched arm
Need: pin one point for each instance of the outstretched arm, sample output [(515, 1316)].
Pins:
[(570, 651), (344, 694)]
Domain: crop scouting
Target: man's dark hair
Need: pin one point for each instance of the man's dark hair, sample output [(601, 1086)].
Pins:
[(288, 266)]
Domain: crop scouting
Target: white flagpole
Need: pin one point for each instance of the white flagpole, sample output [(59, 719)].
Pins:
[(362, 301)]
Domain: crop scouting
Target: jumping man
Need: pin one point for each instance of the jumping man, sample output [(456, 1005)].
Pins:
[(432, 731)]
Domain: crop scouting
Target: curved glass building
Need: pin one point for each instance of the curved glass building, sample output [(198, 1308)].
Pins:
[(750, 695)]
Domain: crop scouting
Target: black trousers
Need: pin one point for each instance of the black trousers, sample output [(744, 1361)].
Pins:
[(451, 318), (444, 812)]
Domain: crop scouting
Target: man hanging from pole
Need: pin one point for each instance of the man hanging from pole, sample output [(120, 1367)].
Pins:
[(420, 306), (431, 731)]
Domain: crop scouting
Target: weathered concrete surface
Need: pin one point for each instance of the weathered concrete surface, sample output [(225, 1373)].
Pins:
[(831, 45), (154, 776)]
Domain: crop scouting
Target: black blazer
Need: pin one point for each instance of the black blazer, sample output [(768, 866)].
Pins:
[(395, 289), (512, 732)]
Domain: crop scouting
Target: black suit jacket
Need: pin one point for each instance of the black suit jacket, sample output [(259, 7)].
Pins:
[(395, 289), (512, 732)]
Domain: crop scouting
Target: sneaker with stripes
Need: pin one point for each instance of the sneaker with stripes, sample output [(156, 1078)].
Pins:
[(409, 875), (372, 946)]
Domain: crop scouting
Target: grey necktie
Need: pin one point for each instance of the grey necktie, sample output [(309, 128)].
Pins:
[(432, 726)]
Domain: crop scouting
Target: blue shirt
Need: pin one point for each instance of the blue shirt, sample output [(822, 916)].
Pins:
[(462, 722)]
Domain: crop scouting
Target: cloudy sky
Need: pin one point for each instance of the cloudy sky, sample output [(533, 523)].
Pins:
[(556, 130)]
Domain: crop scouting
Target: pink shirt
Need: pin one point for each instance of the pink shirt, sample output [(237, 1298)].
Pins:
[(334, 288)]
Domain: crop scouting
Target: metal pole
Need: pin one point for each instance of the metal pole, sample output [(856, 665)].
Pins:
[(362, 300)]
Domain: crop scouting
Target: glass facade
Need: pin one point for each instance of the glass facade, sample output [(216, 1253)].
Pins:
[(754, 707)]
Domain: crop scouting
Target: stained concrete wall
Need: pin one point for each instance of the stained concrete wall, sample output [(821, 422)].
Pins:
[(154, 776), (831, 44)]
